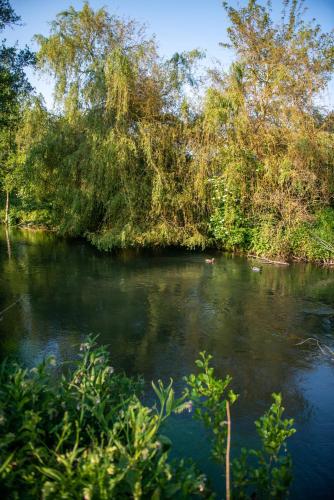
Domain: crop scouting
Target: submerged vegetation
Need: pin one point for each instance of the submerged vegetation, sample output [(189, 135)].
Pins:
[(128, 159), (83, 432)]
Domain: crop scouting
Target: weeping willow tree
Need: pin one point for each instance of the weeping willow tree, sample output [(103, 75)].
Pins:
[(126, 160), (271, 150), (116, 154)]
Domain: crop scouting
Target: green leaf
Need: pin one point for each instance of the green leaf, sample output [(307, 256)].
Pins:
[(170, 401), (52, 473)]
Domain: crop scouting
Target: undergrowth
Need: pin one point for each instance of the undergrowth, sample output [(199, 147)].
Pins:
[(82, 431)]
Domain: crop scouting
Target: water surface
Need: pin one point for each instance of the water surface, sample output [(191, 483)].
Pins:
[(157, 310)]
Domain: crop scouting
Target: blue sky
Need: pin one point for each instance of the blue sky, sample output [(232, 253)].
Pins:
[(178, 25)]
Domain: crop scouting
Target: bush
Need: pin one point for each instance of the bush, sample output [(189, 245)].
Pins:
[(82, 432), (316, 241)]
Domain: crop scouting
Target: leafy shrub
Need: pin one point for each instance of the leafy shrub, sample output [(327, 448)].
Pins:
[(270, 238), (85, 435), (228, 223), (263, 473), (315, 241), (82, 432)]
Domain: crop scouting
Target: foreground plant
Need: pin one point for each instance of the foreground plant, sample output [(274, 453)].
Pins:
[(86, 434), (264, 473)]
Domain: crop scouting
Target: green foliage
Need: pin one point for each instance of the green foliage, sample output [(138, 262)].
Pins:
[(14, 85), (265, 135), (311, 240), (13, 82), (115, 165), (316, 240), (264, 473), (133, 157), (228, 221), (209, 395), (82, 430), (14, 88), (86, 434), (267, 471)]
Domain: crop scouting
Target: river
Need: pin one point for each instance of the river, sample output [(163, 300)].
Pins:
[(157, 309)]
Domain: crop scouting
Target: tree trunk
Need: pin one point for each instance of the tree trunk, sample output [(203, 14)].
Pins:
[(7, 208)]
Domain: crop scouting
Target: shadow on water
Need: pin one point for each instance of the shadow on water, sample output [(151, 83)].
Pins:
[(157, 310)]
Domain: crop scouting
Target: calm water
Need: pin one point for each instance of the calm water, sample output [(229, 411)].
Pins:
[(158, 310)]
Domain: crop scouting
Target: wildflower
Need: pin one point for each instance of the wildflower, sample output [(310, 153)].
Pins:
[(188, 406), (201, 484), (110, 370), (84, 346), (158, 445)]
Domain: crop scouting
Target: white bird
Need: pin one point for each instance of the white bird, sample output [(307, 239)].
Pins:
[(256, 269), (210, 261)]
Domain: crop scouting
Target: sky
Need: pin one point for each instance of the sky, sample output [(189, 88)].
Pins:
[(177, 24)]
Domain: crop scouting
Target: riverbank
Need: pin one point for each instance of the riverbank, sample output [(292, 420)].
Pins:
[(265, 259)]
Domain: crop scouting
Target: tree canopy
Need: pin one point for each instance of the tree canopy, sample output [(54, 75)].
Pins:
[(127, 159), (14, 87), (13, 80)]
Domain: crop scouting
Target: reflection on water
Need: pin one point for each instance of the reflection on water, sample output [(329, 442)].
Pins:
[(158, 310)]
